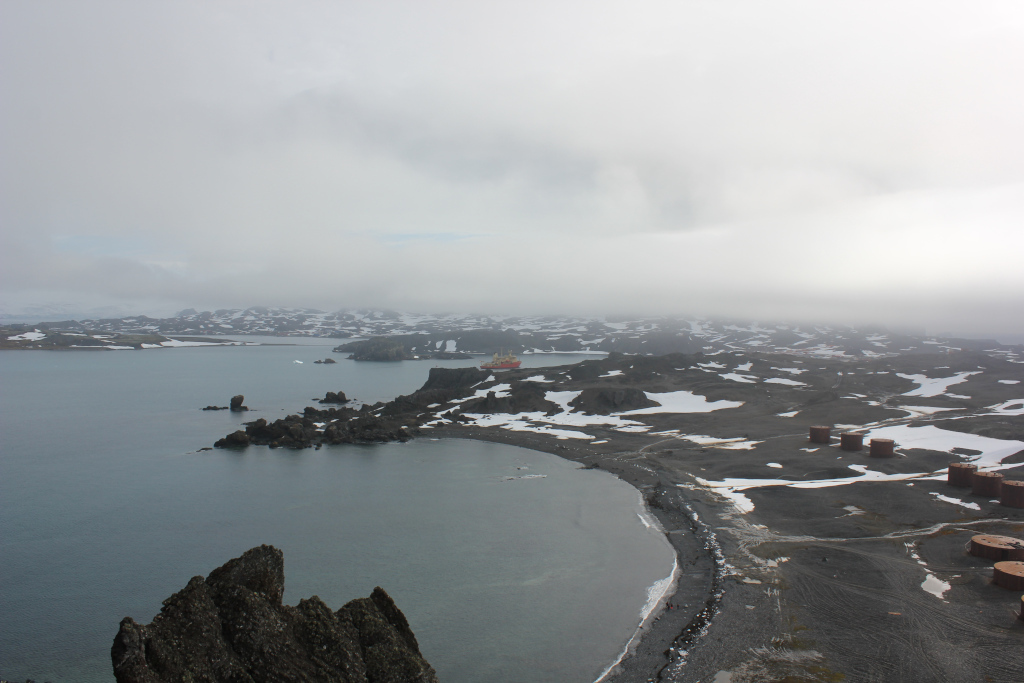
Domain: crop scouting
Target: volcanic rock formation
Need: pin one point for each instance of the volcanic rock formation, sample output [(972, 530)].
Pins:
[(233, 627)]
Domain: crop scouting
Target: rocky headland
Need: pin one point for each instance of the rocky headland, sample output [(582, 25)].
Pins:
[(232, 627)]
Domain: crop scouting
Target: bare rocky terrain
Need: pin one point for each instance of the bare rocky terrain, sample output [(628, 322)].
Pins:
[(799, 561)]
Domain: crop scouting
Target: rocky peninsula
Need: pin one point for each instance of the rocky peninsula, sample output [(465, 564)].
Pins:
[(802, 561)]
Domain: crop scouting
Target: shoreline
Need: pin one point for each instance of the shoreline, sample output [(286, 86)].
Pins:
[(802, 579), (661, 629)]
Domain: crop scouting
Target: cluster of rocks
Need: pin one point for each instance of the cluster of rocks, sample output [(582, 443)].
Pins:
[(396, 420), (236, 405), (325, 361), (232, 627)]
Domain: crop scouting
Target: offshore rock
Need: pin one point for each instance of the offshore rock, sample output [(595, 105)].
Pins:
[(233, 627), (334, 397), (236, 404)]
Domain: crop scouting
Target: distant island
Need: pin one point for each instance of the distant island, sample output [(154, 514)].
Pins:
[(391, 336)]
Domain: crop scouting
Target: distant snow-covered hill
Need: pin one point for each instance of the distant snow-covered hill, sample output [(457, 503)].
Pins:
[(524, 334)]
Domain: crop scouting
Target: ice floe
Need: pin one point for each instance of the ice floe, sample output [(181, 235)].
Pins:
[(792, 413), (1002, 381), (773, 464), (934, 386)]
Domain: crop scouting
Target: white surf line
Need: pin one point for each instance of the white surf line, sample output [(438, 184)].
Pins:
[(656, 592)]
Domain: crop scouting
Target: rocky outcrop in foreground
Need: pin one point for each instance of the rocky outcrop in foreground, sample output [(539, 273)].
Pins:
[(233, 627)]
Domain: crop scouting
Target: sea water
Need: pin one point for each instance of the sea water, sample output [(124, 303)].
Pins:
[(510, 564)]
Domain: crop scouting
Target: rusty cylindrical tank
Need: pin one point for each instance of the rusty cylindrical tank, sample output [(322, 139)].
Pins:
[(1011, 493), (986, 484), (998, 548), (851, 441), (820, 434), (961, 474), (1009, 575), (882, 448)]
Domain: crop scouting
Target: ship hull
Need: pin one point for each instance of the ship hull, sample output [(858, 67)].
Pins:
[(500, 366)]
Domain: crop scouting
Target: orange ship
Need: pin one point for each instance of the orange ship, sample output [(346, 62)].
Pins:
[(501, 362)]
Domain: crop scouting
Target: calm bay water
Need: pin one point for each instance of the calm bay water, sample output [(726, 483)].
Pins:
[(107, 509)]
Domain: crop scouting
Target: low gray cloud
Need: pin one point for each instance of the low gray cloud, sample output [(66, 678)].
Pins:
[(857, 162)]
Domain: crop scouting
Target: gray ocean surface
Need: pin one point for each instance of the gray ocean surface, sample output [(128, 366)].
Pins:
[(106, 508)]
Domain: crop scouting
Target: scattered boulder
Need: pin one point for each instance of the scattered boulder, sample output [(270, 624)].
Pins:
[(236, 404), (232, 626), (605, 401), (334, 397)]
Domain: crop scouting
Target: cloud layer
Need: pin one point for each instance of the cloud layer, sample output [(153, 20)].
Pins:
[(848, 161)]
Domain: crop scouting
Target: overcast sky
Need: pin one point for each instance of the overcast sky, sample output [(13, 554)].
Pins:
[(841, 161)]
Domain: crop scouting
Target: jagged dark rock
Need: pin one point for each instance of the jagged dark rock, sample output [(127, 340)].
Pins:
[(236, 404), (325, 361), (605, 401), (233, 440), (232, 627), (334, 397), (215, 408)]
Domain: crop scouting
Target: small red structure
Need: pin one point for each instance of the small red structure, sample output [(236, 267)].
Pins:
[(1009, 575), (820, 434), (1011, 493), (961, 474), (851, 441), (986, 484), (998, 548), (882, 448)]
